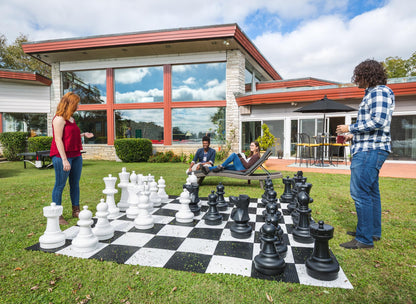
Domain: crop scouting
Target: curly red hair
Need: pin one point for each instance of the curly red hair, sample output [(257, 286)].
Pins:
[(68, 105), (370, 72)]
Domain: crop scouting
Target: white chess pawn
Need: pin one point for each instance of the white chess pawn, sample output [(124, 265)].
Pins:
[(132, 210), (124, 182), (153, 196), (85, 241), (150, 178), (193, 179), (140, 179), (103, 229), (184, 215), (53, 236), (161, 192), (110, 190), (144, 220), (133, 177)]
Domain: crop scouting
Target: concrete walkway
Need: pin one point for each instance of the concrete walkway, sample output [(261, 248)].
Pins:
[(389, 169)]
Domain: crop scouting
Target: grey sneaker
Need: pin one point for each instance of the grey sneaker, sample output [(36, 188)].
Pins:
[(354, 244), (353, 233)]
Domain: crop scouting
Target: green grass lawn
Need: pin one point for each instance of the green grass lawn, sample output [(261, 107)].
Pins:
[(386, 274)]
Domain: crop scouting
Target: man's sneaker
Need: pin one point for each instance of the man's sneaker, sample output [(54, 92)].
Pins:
[(352, 233), (205, 170), (354, 244)]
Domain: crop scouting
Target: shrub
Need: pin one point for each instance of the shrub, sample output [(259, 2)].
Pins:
[(39, 143), (13, 143), (133, 149), (267, 139), (166, 157)]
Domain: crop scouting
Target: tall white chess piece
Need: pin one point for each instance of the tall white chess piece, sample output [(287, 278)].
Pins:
[(53, 236), (124, 182), (110, 190), (85, 241)]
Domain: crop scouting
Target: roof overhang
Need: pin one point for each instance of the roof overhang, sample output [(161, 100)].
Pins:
[(21, 76), (172, 41)]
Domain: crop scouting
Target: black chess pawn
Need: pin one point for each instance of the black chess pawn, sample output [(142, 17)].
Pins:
[(222, 204), (240, 229), (268, 185), (273, 215), (271, 200), (193, 190), (295, 214), (301, 233), (269, 261), (212, 217), (321, 265), (299, 181)]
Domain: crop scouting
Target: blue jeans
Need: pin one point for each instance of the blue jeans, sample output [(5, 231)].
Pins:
[(61, 176), (232, 162), (364, 188)]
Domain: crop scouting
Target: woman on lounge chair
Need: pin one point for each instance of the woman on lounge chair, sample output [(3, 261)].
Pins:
[(237, 162)]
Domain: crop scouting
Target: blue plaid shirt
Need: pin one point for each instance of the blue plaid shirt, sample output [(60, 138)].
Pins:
[(372, 129)]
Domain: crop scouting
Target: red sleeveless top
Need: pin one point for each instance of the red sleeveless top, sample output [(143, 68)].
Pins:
[(71, 138)]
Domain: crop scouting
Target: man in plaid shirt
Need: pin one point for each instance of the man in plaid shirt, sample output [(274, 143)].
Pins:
[(371, 144)]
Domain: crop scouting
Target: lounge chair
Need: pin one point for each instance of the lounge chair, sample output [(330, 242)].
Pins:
[(248, 175)]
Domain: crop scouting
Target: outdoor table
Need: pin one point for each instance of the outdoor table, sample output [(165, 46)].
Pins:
[(41, 159)]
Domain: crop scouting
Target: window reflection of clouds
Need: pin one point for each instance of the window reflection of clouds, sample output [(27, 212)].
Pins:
[(127, 76), (93, 77), (145, 115), (194, 120)]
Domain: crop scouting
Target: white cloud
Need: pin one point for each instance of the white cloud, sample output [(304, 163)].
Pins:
[(127, 76), (211, 93), (212, 83), (139, 96), (190, 80)]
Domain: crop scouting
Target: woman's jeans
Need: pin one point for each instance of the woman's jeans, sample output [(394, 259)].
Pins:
[(233, 162), (61, 176), (364, 188)]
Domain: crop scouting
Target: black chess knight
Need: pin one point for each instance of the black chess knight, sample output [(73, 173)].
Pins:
[(193, 190), (240, 229)]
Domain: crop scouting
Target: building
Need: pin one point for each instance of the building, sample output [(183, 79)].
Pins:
[(174, 86)]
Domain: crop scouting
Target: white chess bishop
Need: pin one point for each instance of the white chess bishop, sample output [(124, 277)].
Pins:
[(110, 190), (85, 241), (103, 229), (53, 236), (184, 215), (124, 182)]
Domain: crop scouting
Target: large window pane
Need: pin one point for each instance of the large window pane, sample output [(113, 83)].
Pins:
[(196, 82), (146, 123), (94, 122), (135, 85), (89, 85), (276, 127), (34, 123), (189, 125), (403, 137), (250, 131)]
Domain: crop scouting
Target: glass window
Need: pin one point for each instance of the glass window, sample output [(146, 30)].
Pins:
[(189, 125), (89, 85), (276, 127), (94, 122), (250, 131), (135, 85), (145, 123), (35, 123), (293, 136), (403, 137), (196, 82)]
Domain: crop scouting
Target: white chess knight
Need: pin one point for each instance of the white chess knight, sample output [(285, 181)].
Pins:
[(153, 196), (53, 236), (103, 229), (144, 219), (184, 215), (162, 192), (85, 241), (110, 190), (192, 178), (124, 182)]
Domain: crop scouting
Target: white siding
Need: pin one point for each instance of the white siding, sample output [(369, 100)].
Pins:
[(24, 98)]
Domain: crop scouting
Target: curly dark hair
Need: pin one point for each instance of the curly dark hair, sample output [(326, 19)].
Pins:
[(370, 72)]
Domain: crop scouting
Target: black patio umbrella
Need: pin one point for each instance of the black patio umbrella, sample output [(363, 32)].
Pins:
[(325, 105)]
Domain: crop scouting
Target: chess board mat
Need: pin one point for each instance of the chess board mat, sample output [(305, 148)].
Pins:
[(198, 247)]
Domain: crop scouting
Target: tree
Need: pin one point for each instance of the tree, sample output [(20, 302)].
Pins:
[(398, 67), (12, 57)]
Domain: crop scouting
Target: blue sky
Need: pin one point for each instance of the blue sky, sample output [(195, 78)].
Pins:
[(301, 38)]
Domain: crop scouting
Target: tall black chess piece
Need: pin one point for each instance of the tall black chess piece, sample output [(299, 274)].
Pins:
[(240, 229), (321, 265), (193, 190), (296, 180), (295, 214), (287, 196), (301, 233), (268, 185), (273, 215), (268, 261), (212, 217), (222, 204)]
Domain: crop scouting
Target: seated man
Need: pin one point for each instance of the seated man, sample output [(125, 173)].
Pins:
[(204, 156)]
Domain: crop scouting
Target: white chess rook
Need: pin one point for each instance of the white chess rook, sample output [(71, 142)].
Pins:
[(85, 241), (124, 182), (53, 236), (103, 229), (184, 215), (110, 190)]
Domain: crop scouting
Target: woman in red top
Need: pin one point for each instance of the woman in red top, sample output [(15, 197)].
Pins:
[(237, 162), (66, 152)]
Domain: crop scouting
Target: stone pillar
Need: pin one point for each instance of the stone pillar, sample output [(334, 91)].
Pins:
[(55, 93), (235, 79)]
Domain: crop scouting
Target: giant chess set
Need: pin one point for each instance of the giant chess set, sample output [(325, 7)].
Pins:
[(263, 238)]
